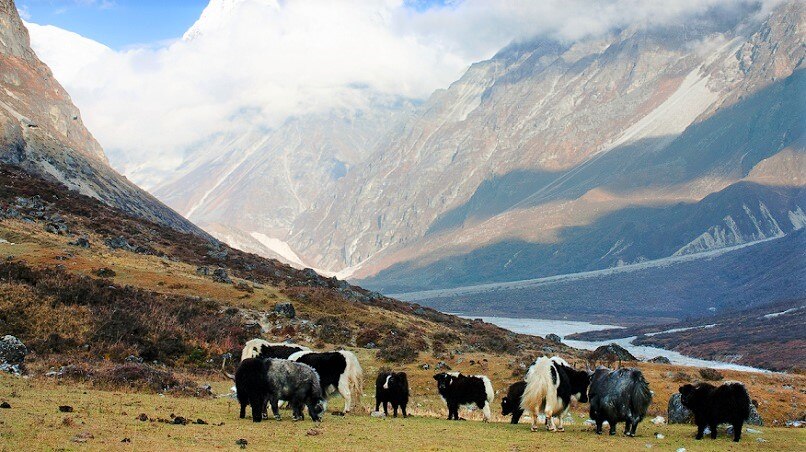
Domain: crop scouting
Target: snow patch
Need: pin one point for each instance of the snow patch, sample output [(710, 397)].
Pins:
[(797, 218), (778, 314), (278, 246)]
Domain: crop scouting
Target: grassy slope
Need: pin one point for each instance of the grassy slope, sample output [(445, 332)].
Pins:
[(35, 423)]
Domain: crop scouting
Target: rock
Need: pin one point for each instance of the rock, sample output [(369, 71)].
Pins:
[(5, 405), (660, 360), (753, 431), (56, 228), (658, 420), (243, 286), (680, 377), (118, 243), (794, 424), (659, 435), (12, 353), (377, 414), (134, 359), (425, 366), (285, 310), (676, 412), (105, 272), (125, 440), (711, 374), (80, 242), (612, 352), (203, 271), (82, 437), (142, 417), (682, 449), (65, 408), (179, 420), (443, 366), (200, 422), (761, 440), (220, 275), (241, 442), (554, 338), (754, 418)]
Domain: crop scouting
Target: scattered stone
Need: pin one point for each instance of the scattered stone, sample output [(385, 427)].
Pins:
[(105, 272), (220, 275), (682, 449), (82, 437), (56, 228), (554, 338), (612, 352), (658, 420), (659, 435), (285, 310), (753, 431), (425, 366), (660, 360), (65, 408), (794, 424), (134, 359), (142, 417), (118, 243), (761, 440), (711, 374), (443, 366), (203, 271), (5, 405), (377, 414), (676, 412), (241, 442)]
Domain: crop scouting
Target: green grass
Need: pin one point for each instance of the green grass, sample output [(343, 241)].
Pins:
[(35, 423)]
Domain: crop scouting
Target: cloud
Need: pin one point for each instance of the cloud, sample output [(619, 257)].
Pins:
[(255, 63)]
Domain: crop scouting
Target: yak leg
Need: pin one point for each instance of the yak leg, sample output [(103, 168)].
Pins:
[(344, 390), (713, 430), (700, 431), (737, 430)]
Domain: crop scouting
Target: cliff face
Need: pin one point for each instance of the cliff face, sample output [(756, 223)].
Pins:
[(41, 130)]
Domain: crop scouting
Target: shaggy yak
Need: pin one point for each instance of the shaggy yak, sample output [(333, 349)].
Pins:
[(550, 385), (615, 396), (511, 403), (392, 387), (259, 382), (457, 389), (713, 405), (338, 372), (264, 349)]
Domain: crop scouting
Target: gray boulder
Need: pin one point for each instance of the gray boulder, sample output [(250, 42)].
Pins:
[(221, 275), (660, 360), (285, 310), (554, 338), (754, 418), (12, 354), (676, 412)]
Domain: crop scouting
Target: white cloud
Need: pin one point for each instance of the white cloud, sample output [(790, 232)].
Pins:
[(254, 63)]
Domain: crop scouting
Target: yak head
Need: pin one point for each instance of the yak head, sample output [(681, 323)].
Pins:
[(687, 395), (508, 406), (444, 381), (396, 379)]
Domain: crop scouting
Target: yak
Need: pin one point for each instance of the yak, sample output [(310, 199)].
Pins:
[(711, 405), (615, 396)]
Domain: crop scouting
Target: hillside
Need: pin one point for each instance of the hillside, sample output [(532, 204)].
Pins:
[(41, 131)]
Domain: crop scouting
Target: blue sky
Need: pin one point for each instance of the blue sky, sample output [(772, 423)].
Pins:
[(123, 23), (116, 23)]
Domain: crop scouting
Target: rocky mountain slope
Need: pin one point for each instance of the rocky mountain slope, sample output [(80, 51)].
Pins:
[(546, 137), (41, 131)]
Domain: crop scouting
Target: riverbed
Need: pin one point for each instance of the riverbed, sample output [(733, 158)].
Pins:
[(562, 328)]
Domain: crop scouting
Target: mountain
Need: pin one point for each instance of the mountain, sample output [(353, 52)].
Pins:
[(547, 137), (41, 131)]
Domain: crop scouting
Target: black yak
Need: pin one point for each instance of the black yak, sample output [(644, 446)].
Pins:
[(457, 389), (392, 387), (621, 395), (511, 403), (252, 386), (711, 405)]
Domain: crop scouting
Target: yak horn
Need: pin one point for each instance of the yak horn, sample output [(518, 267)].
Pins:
[(228, 375)]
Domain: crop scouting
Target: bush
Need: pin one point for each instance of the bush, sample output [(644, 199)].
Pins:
[(334, 331)]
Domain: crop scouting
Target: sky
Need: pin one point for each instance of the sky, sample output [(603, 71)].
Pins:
[(154, 79), (116, 23)]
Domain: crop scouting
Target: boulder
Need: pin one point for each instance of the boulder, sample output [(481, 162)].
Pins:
[(80, 242), (118, 243), (711, 374), (660, 360), (203, 271), (612, 352), (285, 310), (221, 275), (12, 351), (754, 418), (676, 412), (554, 338), (105, 272)]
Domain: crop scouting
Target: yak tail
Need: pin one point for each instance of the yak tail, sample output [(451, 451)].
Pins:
[(641, 396), (355, 376), (228, 375)]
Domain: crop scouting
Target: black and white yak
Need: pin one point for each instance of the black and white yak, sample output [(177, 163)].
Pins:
[(392, 388), (265, 349), (260, 382), (465, 390), (551, 384), (711, 405), (615, 396), (338, 372), (511, 403)]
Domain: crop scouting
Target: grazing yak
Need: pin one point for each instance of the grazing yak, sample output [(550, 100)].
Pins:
[(338, 372), (392, 387), (550, 385), (264, 349), (615, 396), (711, 405), (511, 403), (457, 389), (259, 382)]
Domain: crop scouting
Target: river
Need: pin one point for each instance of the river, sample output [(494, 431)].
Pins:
[(562, 328)]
